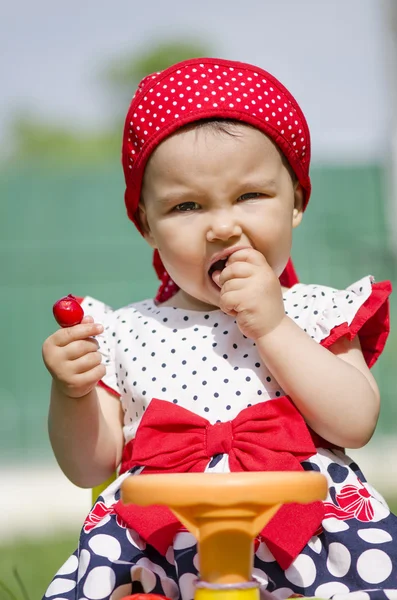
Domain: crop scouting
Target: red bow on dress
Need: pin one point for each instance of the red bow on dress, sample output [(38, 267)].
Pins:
[(270, 436)]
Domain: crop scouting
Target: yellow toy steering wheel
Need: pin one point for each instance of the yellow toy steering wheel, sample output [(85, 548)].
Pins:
[(225, 511)]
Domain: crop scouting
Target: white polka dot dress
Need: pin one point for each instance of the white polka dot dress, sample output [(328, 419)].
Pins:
[(201, 362)]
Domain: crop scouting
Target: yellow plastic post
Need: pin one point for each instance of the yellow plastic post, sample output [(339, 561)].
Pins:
[(98, 489), (242, 591)]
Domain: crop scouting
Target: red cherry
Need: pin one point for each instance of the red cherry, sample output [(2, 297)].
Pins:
[(67, 311)]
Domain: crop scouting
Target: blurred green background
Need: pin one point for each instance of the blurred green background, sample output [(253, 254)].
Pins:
[(66, 231)]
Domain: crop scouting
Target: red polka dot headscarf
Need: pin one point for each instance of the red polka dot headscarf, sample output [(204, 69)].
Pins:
[(206, 88)]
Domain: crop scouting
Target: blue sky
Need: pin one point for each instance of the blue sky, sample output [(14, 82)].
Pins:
[(330, 53)]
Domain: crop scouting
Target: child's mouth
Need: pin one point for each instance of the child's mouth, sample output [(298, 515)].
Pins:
[(216, 270)]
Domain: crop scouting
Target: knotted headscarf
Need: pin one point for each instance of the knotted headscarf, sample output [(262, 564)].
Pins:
[(207, 88)]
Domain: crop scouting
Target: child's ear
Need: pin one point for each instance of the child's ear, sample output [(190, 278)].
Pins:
[(298, 205), (147, 234)]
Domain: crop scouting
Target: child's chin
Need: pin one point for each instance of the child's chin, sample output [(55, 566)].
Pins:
[(207, 300)]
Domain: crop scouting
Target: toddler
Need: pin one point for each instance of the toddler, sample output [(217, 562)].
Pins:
[(216, 160)]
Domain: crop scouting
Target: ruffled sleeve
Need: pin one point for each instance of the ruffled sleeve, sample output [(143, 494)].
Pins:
[(101, 313), (327, 314)]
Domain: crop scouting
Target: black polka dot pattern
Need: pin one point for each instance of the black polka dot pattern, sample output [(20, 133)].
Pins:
[(201, 361)]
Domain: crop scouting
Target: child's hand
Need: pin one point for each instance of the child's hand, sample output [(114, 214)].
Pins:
[(251, 292), (71, 356)]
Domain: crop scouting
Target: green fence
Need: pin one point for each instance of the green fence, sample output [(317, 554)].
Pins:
[(65, 231)]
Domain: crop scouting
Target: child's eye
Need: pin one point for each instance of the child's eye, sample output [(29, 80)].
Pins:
[(251, 195), (186, 206)]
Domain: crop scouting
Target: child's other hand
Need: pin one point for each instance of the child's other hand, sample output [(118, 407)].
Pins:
[(251, 292), (71, 356)]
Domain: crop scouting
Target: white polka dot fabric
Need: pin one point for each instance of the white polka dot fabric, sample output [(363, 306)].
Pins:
[(199, 360), (318, 309)]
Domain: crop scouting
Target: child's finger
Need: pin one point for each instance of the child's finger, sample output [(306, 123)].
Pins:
[(80, 348), (235, 270), (87, 363), (65, 336), (91, 376), (230, 302), (233, 285), (87, 319), (247, 255)]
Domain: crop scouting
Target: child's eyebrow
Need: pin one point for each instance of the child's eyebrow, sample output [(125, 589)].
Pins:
[(259, 184), (173, 197)]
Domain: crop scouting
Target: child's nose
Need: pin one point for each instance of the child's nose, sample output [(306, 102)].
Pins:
[(223, 226)]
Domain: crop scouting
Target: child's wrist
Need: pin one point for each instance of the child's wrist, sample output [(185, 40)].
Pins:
[(266, 339), (63, 393)]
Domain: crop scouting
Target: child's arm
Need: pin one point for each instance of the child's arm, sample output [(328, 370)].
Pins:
[(85, 422), (86, 435), (334, 391)]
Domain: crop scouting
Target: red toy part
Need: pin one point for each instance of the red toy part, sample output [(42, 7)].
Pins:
[(67, 311), (143, 596)]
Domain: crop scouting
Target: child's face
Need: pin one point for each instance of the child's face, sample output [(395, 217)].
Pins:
[(205, 191)]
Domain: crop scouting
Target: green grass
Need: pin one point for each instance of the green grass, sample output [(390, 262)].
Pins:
[(34, 562), (31, 564)]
